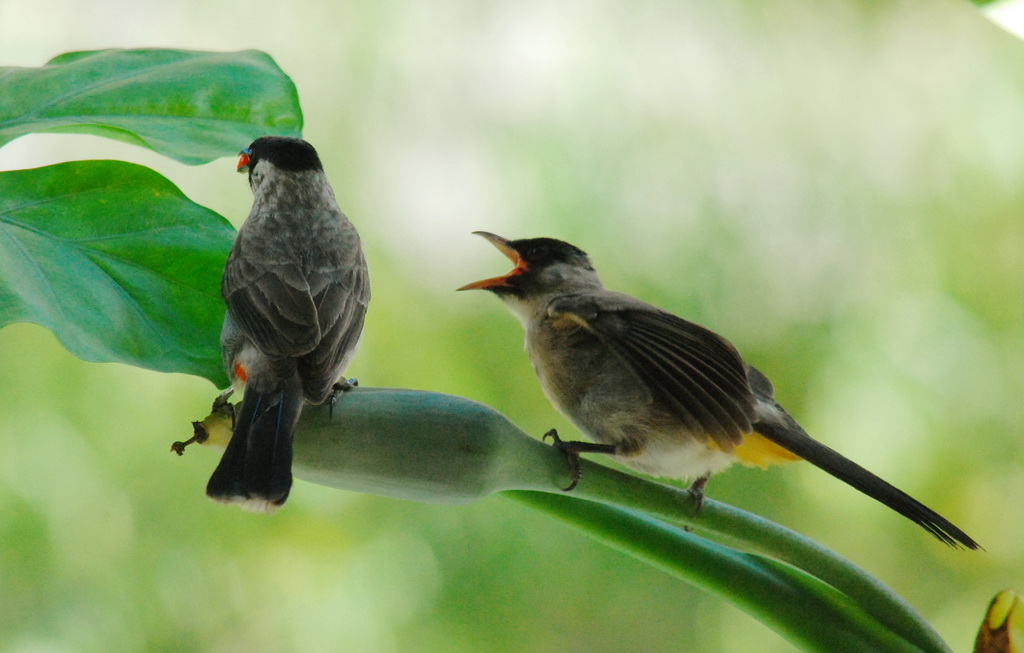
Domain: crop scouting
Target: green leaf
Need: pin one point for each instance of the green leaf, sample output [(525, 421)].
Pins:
[(117, 262), (191, 106)]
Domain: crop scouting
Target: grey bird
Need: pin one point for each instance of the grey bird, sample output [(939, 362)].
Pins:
[(661, 394), (297, 287)]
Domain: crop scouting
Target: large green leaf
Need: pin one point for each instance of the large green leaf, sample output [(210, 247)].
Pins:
[(192, 106), (117, 262)]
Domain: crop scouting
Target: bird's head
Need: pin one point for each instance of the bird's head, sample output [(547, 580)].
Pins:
[(543, 266), (271, 156)]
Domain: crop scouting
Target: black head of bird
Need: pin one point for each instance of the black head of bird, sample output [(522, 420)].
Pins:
[(541, 266)]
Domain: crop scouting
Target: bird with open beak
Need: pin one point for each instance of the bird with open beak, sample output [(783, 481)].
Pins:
[(661, 394)]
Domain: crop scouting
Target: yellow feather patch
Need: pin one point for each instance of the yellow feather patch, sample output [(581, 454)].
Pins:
[(758, 451), (568, 321)]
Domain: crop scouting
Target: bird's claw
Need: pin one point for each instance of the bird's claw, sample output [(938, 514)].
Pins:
[(697, 494), (221, 405), (340, 388), (571, 456), (572, 450)]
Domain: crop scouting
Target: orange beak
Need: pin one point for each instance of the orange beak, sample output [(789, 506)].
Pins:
[(505, 247), (243, 161)]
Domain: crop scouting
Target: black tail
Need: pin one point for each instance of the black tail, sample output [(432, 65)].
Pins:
[(256, 468), (796, 440)]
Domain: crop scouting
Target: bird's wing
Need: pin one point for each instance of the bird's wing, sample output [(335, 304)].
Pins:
[(270, 300), (698, 375), (341, 297)]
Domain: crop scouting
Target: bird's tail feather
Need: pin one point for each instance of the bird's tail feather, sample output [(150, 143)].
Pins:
[(793, 438), (256, 468)]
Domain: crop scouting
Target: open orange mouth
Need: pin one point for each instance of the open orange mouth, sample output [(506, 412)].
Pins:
[(505, 247)]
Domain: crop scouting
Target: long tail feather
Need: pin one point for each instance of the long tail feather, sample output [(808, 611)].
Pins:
[(796, 440), (256, 468)]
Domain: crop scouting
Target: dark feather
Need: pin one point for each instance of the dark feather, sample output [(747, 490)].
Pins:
[(342, 309), (793, 438), (279, 318), (695, 373), (290, 310), (257, 461)]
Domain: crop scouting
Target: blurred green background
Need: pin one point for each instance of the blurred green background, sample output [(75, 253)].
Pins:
[(835, 186)]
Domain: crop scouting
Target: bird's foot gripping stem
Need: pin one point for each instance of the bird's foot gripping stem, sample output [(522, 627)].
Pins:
[(340, 388), (221, 406), (697, 493), (572, 450)]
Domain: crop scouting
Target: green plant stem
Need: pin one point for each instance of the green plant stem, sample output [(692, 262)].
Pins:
[(805, 611), (437, 448), (755, 533)]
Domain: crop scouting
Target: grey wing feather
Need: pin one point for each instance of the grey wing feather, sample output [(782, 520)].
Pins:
[(695, 373), (341, 305), (272, 305)]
